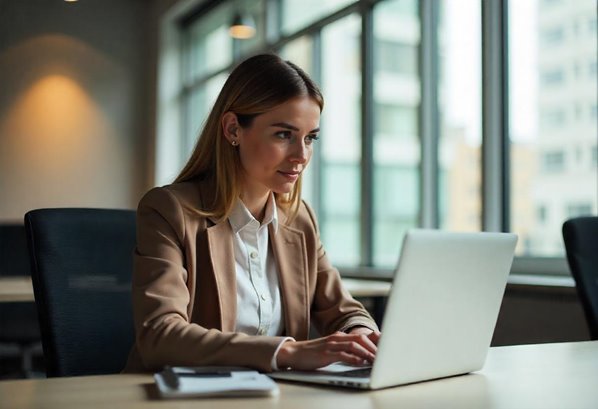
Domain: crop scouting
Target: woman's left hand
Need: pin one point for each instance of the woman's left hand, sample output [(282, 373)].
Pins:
[(374, 336)]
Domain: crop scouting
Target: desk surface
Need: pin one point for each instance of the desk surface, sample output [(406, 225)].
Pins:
[(16, 289), (529, 376)]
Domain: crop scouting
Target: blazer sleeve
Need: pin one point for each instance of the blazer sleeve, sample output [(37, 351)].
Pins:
[(333, 308), (164, 333)]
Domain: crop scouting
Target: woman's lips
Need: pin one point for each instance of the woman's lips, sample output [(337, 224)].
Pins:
[(291, 175)]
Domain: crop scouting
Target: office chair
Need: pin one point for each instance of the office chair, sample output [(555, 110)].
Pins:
[(82, 260), (581, 243), (19, 327)]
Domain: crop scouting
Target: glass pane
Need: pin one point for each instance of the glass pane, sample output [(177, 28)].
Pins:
[(459, 43), (396, 137), (553, 124), (210, 47), (297, 14), (198, 107), (340, 140), (300, 52)]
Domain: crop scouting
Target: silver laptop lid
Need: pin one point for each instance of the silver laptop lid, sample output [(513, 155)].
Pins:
[(443, 305)]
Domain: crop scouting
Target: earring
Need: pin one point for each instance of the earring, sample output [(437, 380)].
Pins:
[(234, 143)]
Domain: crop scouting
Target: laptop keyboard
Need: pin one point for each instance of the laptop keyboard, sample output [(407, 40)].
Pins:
[(354, 373)]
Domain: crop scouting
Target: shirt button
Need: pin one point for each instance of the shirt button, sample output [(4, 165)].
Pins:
[(253, 254), (263, 297)]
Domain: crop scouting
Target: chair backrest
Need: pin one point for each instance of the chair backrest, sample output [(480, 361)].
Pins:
[(14, 259), (581, 242), (82, 262), (18, 320)]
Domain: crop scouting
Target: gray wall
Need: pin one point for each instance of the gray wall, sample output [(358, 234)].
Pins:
[(74, 81)]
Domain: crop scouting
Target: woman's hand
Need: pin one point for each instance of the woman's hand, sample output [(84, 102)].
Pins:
[(356, 348)]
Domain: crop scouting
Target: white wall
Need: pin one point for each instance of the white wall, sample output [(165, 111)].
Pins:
[(75, 90)]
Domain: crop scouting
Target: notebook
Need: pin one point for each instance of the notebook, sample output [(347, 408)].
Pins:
[(440, 315), (212, 381)]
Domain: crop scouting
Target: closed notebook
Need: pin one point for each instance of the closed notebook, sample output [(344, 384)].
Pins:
[(190, 382)]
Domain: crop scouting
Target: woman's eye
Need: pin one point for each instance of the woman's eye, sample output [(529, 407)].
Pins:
[(311, 138), (283, 134)]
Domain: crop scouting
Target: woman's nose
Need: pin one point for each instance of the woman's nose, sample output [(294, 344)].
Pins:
[(300, 153)]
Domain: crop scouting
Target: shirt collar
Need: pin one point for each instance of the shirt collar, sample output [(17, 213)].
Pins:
[(240, 216)]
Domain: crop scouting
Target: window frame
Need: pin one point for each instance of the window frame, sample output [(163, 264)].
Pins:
[(495, 188)]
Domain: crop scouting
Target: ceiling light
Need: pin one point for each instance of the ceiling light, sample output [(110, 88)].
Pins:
[(242, 27)]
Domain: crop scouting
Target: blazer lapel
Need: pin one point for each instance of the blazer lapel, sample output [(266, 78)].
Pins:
[(288, 246), (223, 263)]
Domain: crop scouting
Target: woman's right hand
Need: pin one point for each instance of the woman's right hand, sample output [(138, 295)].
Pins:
[(353, 349)]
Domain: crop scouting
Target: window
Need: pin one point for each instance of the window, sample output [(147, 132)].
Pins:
[(396, 146), (554, 161), (371, 175), (549, 121), (395, 57), (297, 14), (460, 136), (553, 35), (552, 77), (577, 209), (541, 214), (340, 146), (552, 117), (396, 121)]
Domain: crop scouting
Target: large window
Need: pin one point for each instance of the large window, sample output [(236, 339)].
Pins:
[(405, 138), (552, 130), (340, 142), (460, 119), (396, 146)]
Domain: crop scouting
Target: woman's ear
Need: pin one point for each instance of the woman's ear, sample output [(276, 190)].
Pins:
[(230, 128)]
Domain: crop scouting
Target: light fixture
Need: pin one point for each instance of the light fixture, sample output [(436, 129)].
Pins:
[(242, 27), (70, 1)]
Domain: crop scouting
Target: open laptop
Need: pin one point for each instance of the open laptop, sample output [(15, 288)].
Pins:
[(440, 314)]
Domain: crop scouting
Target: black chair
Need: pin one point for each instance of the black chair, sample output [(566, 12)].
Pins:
[(19, 327), (82, 260), (581, 242)]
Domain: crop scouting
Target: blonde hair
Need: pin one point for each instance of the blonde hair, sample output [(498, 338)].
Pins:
[(257, 85)]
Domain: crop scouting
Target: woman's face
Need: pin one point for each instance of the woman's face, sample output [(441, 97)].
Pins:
[(278, 145)]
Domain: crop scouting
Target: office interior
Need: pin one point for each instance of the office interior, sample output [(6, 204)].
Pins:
[(461, 115)]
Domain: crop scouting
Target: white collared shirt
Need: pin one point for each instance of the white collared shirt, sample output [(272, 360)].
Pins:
[(259, 306)]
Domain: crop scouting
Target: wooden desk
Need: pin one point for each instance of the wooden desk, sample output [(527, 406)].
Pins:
[(16, 289), (530, 376)]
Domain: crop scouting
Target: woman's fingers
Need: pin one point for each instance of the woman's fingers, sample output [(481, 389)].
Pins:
[(362, 339), (354, 349), (348, 358), (374, 336)]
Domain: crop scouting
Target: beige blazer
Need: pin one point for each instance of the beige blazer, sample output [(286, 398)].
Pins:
[(184, 285)]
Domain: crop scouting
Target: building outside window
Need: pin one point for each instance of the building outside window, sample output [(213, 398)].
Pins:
[(549, 118)]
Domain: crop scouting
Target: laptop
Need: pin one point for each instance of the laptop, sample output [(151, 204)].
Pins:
[(440, 315)]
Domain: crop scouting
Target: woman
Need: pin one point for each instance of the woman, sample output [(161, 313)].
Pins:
[(229, 268)]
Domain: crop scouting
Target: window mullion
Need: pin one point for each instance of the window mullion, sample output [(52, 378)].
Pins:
[(495, 116), (367, 135), (429, 117)]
